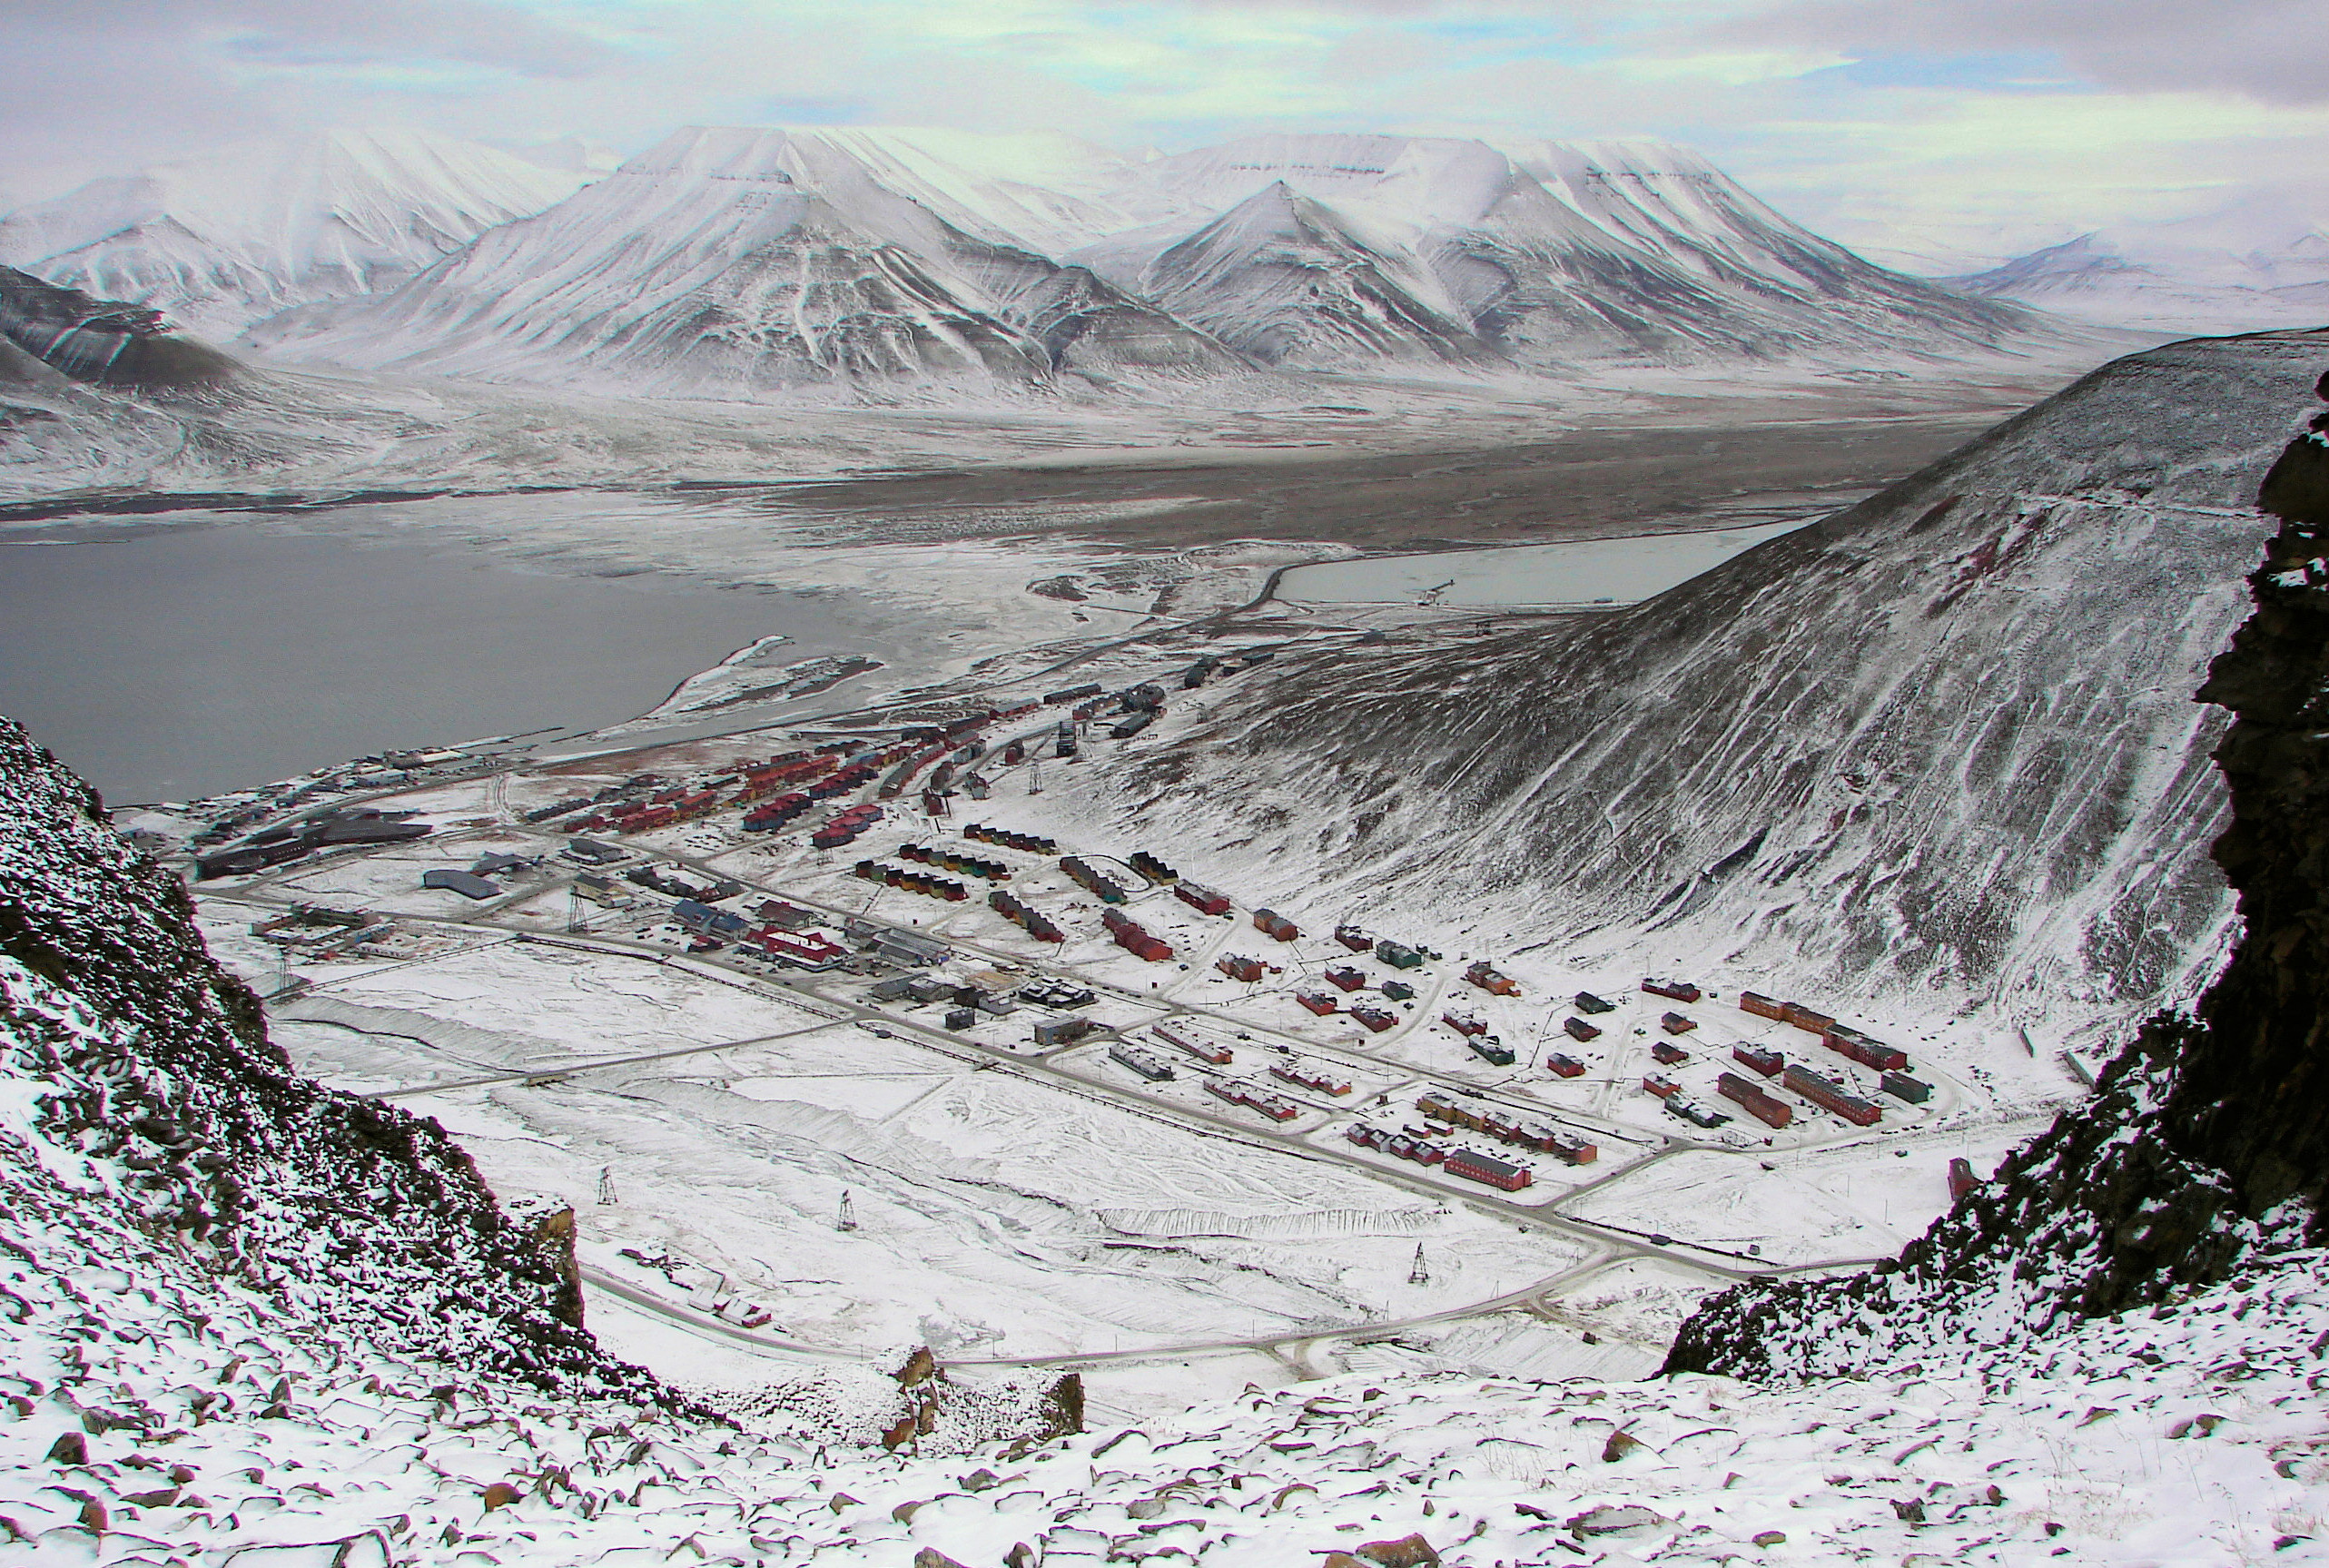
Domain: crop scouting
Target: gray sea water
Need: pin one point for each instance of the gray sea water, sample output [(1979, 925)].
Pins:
[(173, 661)]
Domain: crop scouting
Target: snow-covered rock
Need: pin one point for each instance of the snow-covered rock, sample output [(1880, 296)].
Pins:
[(107, 342), (1315, 247), (222, 239)]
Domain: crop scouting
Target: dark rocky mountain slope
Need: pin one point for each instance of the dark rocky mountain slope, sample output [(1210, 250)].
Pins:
[(1937, 747), (146, 1076), (2208, 1138), (106, 343)]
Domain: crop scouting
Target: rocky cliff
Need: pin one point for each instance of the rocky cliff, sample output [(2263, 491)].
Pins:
[(2206, 1140), (141, 1075)]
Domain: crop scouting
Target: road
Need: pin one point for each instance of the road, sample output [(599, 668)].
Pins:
[(1605, 1245)]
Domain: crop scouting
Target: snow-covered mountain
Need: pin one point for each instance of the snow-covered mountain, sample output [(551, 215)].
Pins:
[(2260, 263), (1939, 746), (219, 241), (1310, 248), (733, 261), (736, 261)]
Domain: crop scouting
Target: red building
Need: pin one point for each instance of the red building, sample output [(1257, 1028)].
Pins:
[(1487, 1170), (1756, 1103)]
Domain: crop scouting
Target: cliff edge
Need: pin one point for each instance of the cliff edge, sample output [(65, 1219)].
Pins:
[(2204, 1142)]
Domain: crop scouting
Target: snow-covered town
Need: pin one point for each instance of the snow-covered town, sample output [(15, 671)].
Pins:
[(999, 783), (764, 1007)]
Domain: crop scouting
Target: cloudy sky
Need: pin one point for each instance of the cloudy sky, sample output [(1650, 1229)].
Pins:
[(1953, 128)]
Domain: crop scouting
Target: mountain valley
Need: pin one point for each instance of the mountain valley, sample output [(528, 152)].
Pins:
[(1399, 851)]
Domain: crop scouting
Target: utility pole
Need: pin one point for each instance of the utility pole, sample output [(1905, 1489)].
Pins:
[(1419, 1274), (574, 917), (848, 1220), (606, 1185)]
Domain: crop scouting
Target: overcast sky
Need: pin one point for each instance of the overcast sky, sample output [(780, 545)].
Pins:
[(1963, 126)]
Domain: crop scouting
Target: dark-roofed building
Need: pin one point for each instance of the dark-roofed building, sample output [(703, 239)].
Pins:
[(469, 884)]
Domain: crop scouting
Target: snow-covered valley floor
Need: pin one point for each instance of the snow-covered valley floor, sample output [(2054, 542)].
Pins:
[(1011, 1203)]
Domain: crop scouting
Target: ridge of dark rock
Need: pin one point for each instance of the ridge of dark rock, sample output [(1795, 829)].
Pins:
[(2208, 1140), (152, 1063)]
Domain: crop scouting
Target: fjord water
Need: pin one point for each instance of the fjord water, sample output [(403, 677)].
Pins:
[(1575, 572), (178, 661)]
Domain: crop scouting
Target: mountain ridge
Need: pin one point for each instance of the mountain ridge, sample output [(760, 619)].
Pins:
[(1375, 250), (225, 238), (2204, 1145), (1933, 749)]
